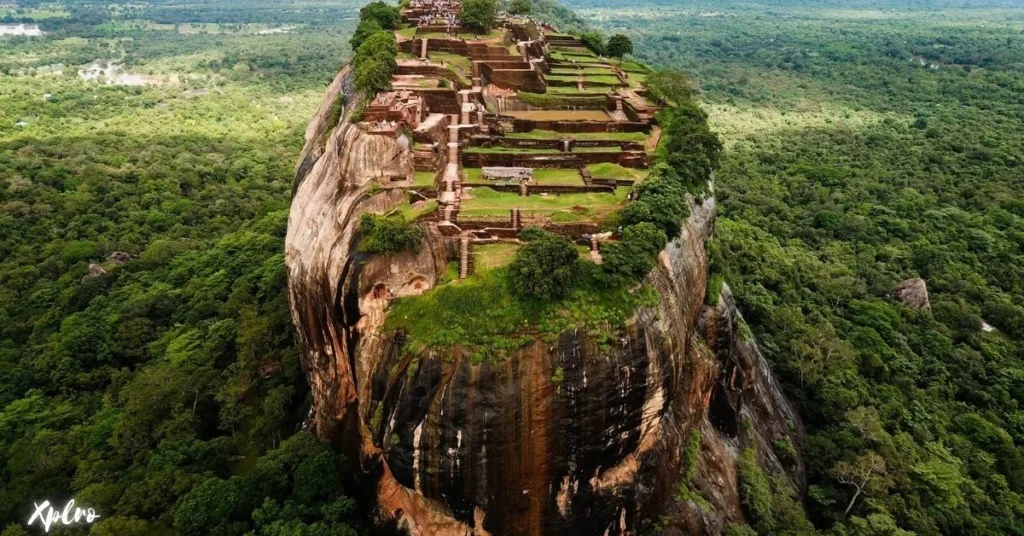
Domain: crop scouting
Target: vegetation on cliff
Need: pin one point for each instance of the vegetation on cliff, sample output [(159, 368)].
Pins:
[(386, 235)]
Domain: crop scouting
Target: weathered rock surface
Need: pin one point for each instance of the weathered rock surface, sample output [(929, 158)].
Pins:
[(914, 293), (460, 448)]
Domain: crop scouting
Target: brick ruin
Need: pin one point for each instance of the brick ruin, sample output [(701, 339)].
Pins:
[(522, 111)]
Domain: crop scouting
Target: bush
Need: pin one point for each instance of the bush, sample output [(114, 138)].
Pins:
[(530, 234), (381, 235), (547, 268), (479, 15)]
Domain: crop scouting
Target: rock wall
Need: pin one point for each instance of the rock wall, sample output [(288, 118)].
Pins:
[(454, 447)]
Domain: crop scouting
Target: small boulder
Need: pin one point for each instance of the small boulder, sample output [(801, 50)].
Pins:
[(95, 271), (914, 293), (119, 257)]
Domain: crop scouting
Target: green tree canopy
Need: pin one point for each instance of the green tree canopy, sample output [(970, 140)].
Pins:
[(479, 15), (546, 267), (386, 15), (375, 62), (520, 7), (619, 45)]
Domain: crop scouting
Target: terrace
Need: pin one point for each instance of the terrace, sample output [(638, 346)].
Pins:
[(521, 126)]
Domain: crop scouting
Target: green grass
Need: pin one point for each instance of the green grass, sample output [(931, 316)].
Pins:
[(407, 32), (560, 70), (460, 62), (562, 115), (558, 78), (490, 256), (509, 150), (572, 91), (572, 97), (601, 79), (564, 177), (411, 212), (615, 171), (425, 179), (487, 320), (615, 149), (638, 137), (488, 203)]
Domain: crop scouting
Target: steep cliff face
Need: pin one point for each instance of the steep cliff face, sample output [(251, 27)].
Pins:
[(455, 447)]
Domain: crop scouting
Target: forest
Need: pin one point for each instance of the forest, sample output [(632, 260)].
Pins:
[(867, 143), (148, 365), (149, 368)]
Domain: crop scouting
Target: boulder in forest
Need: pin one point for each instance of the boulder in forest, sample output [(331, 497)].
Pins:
[(914, 293)]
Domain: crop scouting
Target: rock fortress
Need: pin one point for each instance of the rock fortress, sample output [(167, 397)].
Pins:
[(555, 427)]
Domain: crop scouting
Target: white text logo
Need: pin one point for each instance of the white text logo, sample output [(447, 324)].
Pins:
[(69, 516)]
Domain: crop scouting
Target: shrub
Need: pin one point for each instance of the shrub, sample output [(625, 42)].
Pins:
[(547, 268), (530, 234), (388, 235)]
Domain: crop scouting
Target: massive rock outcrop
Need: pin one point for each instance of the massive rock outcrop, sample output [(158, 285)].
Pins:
[(454, 447)]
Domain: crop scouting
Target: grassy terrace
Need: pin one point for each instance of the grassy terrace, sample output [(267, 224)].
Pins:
[(412, 211), (558, 177), (638, 137), (490, 256), (615, 171), (562, 70), (487, 203), (509, 150), (487, 320), (424, 179), (570, 91), (455, 60), (562, 115)]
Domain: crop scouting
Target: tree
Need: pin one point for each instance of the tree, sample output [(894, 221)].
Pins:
[(594, 41), (633, 257), (375, 62), (520, 7), (547, 268), (365, 29), (386, 15), (479, 15), (864, 473), (672, 85), (619, 45)]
